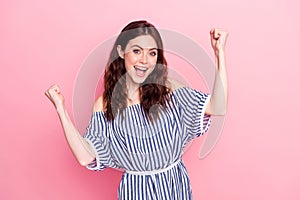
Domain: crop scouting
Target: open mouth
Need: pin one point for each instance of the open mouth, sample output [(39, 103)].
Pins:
[(140, 71)]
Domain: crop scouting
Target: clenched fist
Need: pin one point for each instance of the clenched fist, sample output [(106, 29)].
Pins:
[(55, 96), (218, 39)]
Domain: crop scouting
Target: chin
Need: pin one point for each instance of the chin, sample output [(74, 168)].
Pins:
[(139, 80)]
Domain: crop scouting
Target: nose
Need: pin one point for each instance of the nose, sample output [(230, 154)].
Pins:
[(144, 58)]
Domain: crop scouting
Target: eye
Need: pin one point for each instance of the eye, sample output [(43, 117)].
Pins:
[(153, 53), (136, 51)]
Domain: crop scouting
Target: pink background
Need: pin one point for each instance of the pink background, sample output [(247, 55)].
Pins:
[(41, 43)]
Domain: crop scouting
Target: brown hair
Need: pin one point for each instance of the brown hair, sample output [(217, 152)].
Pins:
[(152, 92)]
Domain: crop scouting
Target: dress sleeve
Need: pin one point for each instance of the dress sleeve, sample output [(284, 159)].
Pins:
[(193, 104), (97, 135)]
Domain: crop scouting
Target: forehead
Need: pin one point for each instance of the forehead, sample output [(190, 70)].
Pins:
[(144, 41)]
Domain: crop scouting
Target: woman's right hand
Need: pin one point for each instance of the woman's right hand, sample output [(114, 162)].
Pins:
[(55, 96)]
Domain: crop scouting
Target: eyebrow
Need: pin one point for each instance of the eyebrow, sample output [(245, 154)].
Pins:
[(135, 45)]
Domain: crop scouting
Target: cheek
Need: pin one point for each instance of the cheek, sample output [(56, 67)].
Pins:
[(130, 61), (152, 61)]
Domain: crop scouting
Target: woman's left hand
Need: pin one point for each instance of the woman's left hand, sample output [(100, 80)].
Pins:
[(218, 39)]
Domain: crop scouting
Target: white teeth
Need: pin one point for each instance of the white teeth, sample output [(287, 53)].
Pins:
[(141, 68)]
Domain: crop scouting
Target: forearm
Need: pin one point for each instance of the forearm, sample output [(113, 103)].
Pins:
[(218, 101), (78, 145)]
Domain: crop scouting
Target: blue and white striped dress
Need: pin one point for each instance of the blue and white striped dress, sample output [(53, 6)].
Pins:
[(150, 153)]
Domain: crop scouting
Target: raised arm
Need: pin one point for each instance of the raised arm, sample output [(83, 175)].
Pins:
[(218, 100), (80, 148)]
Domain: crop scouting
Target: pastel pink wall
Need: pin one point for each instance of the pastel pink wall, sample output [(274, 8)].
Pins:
[(45, 42)]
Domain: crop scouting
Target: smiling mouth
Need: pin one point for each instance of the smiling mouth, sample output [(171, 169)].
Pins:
[(140, 71)]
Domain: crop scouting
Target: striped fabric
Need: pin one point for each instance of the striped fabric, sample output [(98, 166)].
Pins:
[(135, 144)]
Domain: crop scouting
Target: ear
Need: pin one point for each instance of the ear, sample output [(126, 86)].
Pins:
[(120, 51)]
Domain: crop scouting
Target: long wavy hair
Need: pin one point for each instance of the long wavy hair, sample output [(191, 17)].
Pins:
[(153, 91)]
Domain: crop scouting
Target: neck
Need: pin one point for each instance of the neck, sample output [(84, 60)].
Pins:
[(132, 89)]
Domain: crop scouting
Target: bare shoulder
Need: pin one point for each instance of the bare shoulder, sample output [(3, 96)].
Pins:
[(174, 84), (99, 104)]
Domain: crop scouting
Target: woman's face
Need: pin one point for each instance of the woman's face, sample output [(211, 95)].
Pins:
[(140, 57)]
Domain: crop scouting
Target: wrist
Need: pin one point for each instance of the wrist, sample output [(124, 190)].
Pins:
[(220, 60), (219, 53), (60, 108)]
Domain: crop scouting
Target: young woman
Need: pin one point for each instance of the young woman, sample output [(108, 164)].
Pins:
[(143, 121)]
